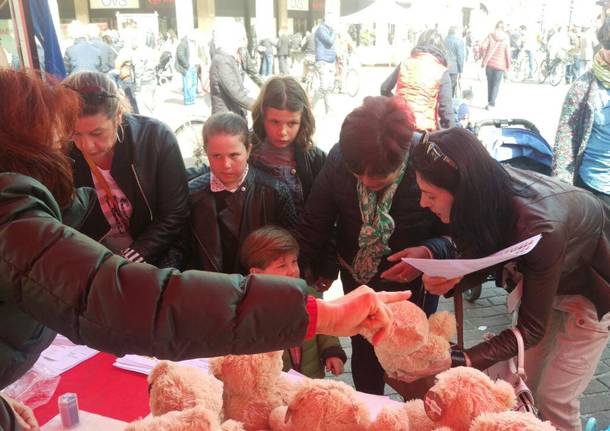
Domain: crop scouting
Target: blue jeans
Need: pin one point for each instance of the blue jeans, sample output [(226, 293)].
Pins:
[(266, 64), (189, 85)]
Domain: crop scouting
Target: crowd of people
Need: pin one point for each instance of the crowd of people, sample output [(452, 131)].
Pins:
[(128, 251)]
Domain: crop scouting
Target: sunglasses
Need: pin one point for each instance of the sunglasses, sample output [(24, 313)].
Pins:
[(434, 152), (93, 95)]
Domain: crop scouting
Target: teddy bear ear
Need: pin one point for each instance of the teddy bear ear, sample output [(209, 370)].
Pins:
[(505, 394), (159, 370), (433, 405)]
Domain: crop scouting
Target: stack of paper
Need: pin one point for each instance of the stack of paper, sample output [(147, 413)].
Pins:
[(63, 355), (144, 364)]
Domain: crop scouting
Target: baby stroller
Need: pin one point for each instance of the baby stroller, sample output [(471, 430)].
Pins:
[(592, 425), (518, 143), (164, 71)]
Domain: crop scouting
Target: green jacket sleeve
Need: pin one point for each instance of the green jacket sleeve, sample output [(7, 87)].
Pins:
[(75, 286)]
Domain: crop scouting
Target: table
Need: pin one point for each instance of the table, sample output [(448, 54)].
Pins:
[(102, 389)]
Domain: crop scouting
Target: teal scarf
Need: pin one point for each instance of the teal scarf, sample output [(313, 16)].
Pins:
[(377, 228)]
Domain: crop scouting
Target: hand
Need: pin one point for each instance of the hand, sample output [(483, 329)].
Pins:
[(23, 414), (334, 365), (362, 309), (439, 285), (432, 369), (403, 272), (322, 284)]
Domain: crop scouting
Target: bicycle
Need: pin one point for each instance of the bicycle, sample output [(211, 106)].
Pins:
[(520, 69), (190, 140), (554, 70), (347, 79)]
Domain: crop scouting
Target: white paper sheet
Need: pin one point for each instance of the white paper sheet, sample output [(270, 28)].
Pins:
[(144, 364), (452, 268), (63, 355)]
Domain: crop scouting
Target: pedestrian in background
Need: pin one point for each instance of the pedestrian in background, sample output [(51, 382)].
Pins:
[(326, 59), (283, 50), (496, 61), (454, 48), (582, 143), (187, 62), (423, 82)]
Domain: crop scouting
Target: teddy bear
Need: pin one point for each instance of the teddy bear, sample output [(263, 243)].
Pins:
[(410, 415), (510, 421), (461, 394), (322, 405), (253, 387), (184, 398), (415, 344)]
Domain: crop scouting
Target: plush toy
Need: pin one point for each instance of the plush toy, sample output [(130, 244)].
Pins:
[(408, 416), (461, 394), (415, 344), (184, 398), (322, 405), (510, 421), (253, 386)]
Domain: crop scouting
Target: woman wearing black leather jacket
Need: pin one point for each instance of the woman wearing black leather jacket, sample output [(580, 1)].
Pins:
[(134, 164)]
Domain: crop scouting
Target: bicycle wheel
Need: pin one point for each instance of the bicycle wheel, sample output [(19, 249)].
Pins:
[(190, 139), (544, 71), (557, 74), (351, 86)]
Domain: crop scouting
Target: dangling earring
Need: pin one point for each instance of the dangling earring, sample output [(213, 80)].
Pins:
[(122, 135)]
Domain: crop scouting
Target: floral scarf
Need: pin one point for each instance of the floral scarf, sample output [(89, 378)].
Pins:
[(377, 228), (601, 70)]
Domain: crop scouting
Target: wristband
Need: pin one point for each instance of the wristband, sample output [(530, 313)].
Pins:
[(458, 359)]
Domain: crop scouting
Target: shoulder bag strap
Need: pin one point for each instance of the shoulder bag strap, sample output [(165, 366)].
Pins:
[(458, 308), (520, 353)]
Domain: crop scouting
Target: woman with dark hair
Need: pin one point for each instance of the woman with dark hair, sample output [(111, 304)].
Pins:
[(52, 278), (423, 81), (564, 311), (367, 188), (134, 164)]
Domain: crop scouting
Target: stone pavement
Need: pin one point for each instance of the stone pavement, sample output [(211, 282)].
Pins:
[(488, 314)]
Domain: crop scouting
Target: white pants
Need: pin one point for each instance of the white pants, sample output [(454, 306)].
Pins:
[(561, 366)]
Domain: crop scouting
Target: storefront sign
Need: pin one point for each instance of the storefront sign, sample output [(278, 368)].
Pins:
[(298, 5), (114, 4)]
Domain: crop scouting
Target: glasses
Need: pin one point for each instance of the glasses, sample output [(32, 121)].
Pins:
[(434, 152), (93, 95)]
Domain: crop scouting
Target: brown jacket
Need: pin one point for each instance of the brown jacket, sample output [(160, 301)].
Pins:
[(573, 257)]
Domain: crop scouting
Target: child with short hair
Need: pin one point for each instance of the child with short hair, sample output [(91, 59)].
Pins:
[(273, 250), (463, 110)]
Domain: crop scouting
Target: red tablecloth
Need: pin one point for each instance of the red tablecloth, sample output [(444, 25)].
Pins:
[(102, 389)]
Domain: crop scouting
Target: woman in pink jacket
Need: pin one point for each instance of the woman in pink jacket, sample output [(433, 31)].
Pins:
[(496, 61)]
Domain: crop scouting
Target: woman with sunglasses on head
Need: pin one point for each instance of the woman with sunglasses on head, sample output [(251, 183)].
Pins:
[(53, 278), (367, 189), (564, 311), (134, 164)]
